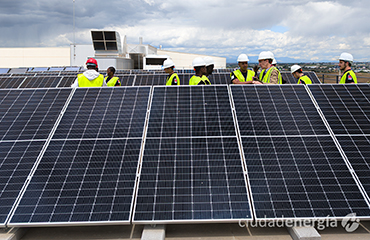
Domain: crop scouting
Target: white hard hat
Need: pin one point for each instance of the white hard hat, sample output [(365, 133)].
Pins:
[(243, 58), (209, 61), (198, 62), (266, 55), (168, 63), (274, 61), (346, 57), (294, 68)]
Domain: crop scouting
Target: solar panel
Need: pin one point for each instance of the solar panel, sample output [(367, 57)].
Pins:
[(265, 110), (290, 79), (4, 70), (67, 81), (300, 177), (11, 82), (88, 172), (219, 78), (294, 167), (104, 113), (126, 80), (191, 168), (357, 149), (41, 82), (346, 107), (150, 79), (80, 182), (39, 69), (30, 114), (16, 161)]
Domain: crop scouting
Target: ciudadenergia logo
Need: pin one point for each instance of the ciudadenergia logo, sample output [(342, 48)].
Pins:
[(350, 223)]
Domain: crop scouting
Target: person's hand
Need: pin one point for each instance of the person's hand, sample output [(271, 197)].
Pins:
[(257, 82)]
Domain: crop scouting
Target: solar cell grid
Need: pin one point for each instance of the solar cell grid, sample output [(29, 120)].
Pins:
[(11, 82), (41, 82), (104, 113), (357, 149), (67, 81), (191, 168), (81, 181), (346, 107), (30, 114), (16, 162), (300, 177), (276, 110)]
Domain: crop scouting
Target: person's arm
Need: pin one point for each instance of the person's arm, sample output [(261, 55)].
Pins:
[(75, 84), (274, 79)]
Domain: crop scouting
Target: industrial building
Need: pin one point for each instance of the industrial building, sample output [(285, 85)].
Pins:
[(108, 48)]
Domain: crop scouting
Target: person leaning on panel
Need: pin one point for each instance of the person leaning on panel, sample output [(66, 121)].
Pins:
[(110, 79), (297, 72), (172, 78), (243, 75), (91, 77), (345, 63), (200, 71), (269, 73)]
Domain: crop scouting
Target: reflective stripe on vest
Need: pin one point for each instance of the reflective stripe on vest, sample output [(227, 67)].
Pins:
[(85, 82), (170, 79), (344, 77), (195, 80), (112, 82), (305, 79), (266, 78), (239, 75)]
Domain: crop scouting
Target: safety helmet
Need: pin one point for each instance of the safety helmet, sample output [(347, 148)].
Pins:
[(243, 58), (199, 62), (209, 61), (274, 61), (168, 63), (346, 57), (92, 62), (294, 68), (266, 55)]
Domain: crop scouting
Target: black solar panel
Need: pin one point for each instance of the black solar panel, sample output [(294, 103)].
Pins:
[(41, 82), (191, 167), (265, 110), (16, 162), (346, 107), (294, 167), (30, 114), (67, 81), (88, 172), (126, 80), (81, 181), (219, 78), (288, 77), (300, 177), (104, 113), (11, 82), (150, 79), (357, 150)]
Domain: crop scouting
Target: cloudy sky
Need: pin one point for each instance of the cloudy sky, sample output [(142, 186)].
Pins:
[(292, 30)]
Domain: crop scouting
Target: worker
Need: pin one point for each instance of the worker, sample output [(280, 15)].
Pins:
[(200, 70), (297, 72), (242, 75), (210, 65), (345, 63), (173, 78), (269, 73), (274, 62), (91, 77), (110, 79)]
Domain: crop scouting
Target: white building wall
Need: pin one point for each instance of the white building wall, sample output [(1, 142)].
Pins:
[(184, 60), (34, 57)]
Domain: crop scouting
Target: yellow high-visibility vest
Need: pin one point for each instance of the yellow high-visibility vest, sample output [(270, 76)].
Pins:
[(195, 80), (266, 78), (345, 74), (85, 82), (112, 82), (239, 75), (170, 79)]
